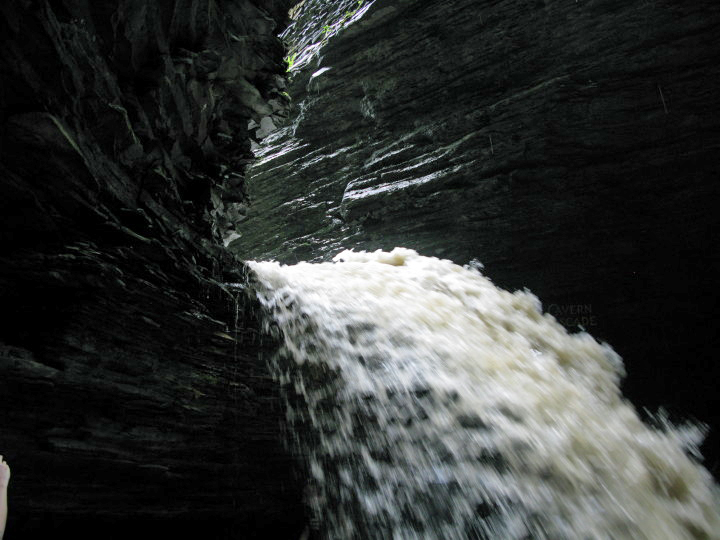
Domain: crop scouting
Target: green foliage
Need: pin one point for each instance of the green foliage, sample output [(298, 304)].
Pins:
[(290, 60), (350, 14), (327, 32)]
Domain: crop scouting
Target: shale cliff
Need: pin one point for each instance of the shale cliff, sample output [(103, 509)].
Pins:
[(134, 398), (571, 147)]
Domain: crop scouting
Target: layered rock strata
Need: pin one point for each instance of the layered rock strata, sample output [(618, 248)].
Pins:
[(134, 397)]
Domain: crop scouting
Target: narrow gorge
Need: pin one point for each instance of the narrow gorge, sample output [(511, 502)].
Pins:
[(246, 257)]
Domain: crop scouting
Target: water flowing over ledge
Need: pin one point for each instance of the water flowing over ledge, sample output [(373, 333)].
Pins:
[(432, 404)]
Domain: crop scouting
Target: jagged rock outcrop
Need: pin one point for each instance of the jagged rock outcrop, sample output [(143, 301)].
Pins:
[(134, 399), (570, 147)]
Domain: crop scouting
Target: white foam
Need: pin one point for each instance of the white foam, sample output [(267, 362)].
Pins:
[(454, 408)]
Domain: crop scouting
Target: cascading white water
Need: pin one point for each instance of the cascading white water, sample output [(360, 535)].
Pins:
[(431, 404)]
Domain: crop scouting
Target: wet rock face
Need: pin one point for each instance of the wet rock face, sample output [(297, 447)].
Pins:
[(570, 147), (133, 392), (133, 405), (152, 102)]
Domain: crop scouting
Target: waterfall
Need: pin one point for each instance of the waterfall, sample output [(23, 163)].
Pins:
[(429, 403)]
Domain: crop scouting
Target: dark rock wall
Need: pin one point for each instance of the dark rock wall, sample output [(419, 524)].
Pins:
[(569, 146), (133, 392), (151, 102), (131, 400)]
